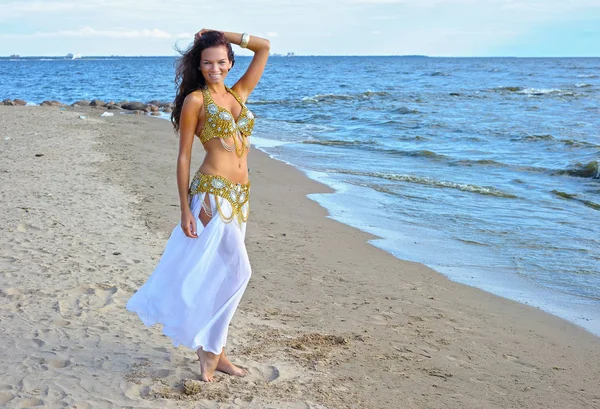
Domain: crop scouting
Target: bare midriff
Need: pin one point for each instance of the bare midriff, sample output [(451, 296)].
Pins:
[(218, 161)]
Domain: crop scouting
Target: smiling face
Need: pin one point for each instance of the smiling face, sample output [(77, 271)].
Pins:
[(215, 64)]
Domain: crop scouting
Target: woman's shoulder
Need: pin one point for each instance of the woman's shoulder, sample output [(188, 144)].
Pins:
[(194, 99), (195, 96)]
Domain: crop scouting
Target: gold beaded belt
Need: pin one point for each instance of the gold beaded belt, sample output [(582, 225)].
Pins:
[(237, 194)]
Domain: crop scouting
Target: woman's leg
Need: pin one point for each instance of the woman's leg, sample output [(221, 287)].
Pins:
[(226, 366), (208, 364), (206, 212)]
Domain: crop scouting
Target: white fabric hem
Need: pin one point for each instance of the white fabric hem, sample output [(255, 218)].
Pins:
[(198, 283)]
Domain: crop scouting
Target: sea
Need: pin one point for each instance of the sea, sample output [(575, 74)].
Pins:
[(485, 169)]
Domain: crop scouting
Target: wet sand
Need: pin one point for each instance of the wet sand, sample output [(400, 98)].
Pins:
[(328, 320)]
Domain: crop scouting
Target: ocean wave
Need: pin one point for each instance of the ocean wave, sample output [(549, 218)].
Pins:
[(268, 102), (535, 91), (571, 196), (405, 111), (383, 189), (588, 170), (494, 163), (588, 76), (481, 190), (563, 194), (361, 96), (535, 138), (582, 85), (509, 89), (389, 122), (573, 142), (327, 97), (374, 145), (317, 118), (467, 241), (484, 162), (378, 188), (546, 91), (345, 97), (423, 153), (550, 138), (368, 94), (335, 142), (439, 74)]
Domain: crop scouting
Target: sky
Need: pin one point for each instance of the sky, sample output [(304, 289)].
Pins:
[(462, 28)]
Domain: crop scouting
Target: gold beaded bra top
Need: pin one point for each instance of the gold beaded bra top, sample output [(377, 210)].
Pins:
[(220, 123)]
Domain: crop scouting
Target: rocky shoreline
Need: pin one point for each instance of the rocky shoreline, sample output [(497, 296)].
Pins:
[(154, 107)]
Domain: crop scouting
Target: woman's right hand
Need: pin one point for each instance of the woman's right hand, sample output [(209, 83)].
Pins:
[(188, 224), (199, 33)]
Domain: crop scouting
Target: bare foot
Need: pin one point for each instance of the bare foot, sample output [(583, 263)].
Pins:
[(208, 364), (226, 366)]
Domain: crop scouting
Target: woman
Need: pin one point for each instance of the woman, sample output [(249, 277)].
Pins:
[(204, 269)]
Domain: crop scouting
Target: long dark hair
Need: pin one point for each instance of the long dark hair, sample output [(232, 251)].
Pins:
[(188, 77)]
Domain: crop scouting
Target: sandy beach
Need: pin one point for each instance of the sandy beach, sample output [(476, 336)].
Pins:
[(328, 320)]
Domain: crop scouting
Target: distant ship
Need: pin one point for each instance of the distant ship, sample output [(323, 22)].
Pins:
[(282, 55), (72, 56), (15, 56)]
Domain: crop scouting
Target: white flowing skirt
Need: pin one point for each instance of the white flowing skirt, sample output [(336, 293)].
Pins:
[(198, 283)]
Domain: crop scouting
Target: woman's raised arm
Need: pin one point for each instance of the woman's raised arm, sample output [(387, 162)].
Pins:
[(260, 47)]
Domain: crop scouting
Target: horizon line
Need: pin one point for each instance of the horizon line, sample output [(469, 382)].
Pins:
[(17, 56)]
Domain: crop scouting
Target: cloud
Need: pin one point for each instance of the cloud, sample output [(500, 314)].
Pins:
[(35, 9), (89, 32), (530, 4), (538, 8), (435, 27), (37, 6)]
